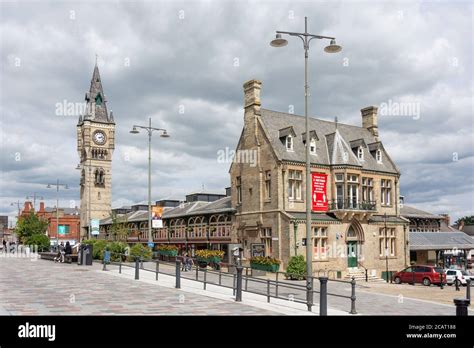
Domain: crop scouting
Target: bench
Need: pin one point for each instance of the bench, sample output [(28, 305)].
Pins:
[(50, 256)]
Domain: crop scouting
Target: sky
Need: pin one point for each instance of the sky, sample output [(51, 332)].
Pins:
[(184, 63)]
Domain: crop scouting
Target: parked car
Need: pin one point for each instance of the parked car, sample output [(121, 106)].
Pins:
[(425, 275), (462, 276)]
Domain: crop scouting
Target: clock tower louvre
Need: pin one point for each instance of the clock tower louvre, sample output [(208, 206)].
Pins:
[(95, 146)]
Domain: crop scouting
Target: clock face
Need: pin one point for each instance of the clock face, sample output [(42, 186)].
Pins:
[(99, 137)]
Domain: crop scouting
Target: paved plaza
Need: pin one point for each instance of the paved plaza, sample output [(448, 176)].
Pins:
[(42, 287)]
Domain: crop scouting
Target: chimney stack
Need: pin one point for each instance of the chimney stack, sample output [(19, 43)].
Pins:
[(446, 219), (369, 120), (41, 210), (252, 94)]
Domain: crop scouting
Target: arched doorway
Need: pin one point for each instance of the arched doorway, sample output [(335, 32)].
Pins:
[(354, 240)]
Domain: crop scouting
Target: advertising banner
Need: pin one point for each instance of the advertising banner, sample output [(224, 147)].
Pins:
[(156, 221), (319, 197), (95, 227)]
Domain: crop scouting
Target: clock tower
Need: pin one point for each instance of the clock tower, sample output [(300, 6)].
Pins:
[(95, 146)]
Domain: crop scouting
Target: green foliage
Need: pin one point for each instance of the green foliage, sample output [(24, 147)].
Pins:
[(119, 229), (115, 249), (30, 225), (139, 250), (296, 269), (41, 240), (167, 247), (468, 220), (98, 247), (264, 260)]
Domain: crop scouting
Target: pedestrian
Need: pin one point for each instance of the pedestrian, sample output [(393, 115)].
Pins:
[(4, 242), (456, 283), (67, 249), (185, 259)]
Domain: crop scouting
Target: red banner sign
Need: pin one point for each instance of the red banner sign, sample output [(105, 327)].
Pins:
[(319, 197)]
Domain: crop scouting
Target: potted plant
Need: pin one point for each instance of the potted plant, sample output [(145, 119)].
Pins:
[(265, 263), (209, 256), (167, 250)]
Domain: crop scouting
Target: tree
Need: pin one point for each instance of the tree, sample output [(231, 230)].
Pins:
[(119, 229), (40, 240), (30, 225), (468, 220)]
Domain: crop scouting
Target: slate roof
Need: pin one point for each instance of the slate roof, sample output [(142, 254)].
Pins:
[(440, 240), (67, 211), (390, 219), (411, 212), (331, 144)]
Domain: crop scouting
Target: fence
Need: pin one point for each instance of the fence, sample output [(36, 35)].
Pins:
[(240, 281)]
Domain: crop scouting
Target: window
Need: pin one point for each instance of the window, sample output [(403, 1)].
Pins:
[(386, 192), (378, 156), (367, 190), (352, 190), (63, 229), (294, 184), (360, 153), (340, 190), (266, 238), (312, 146), (239, 189), (320, 242), (268, 185), (289, 143), (387, 242), (98, 100)]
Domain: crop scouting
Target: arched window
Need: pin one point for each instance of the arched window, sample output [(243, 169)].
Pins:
[(98, 100)]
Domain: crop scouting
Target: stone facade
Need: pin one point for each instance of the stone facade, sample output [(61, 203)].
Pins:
[(95, 146), (269, 196)]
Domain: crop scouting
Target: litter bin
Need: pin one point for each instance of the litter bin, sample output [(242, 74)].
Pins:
[(85, 255)]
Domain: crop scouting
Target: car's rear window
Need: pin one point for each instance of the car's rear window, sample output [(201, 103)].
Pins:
[(438, 269)]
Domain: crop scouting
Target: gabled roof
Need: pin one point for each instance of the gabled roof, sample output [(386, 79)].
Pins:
[(284, 132), (440, 241), (273, 121)]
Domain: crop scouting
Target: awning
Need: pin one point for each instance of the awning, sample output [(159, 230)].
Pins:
[(440, 241)]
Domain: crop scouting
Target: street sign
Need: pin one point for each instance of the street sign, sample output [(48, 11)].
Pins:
[(151, 245)]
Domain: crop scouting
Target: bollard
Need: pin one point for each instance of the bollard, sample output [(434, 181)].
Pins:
[(468, 290), (309, 293), (366, 275), (461, 306), (441, 285), (233, 284), (238, 295), (178, 274), (141, 263), (220, 276), (353, 296), (323, 299), (120, 265), (197, 272), (246, 277), (205, 277), (268, 290), (456, 282), (157, 269), (137, 269), (276, 286)]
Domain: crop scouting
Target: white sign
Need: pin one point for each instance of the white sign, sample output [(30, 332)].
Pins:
[(157, 223), (94, 227)]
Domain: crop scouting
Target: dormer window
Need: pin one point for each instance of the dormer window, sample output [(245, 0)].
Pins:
[(312, 146), (289, 143), (378, 156), (360, 153)]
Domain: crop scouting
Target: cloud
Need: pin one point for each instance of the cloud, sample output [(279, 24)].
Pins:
[(184, 64)]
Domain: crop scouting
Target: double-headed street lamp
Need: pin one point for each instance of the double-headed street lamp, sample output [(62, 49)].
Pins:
[(58, 185), (331, 48), (164, 134), (34, 196)]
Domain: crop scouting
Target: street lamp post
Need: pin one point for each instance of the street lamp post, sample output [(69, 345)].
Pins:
[(331, 48), (386, 244), (58, 185), (164, 134)]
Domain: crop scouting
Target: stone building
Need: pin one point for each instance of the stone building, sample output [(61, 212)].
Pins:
[(361, 191), (95, 146)]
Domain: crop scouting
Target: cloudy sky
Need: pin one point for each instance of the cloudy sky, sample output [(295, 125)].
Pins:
[(184, 63)]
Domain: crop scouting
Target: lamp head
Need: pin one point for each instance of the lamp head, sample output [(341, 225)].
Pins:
[(278, 41), (49, 186), (134, 130), (333, 47), (165, 134)]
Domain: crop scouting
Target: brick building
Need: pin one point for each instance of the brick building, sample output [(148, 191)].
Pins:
[(362, 186), (69, 222)]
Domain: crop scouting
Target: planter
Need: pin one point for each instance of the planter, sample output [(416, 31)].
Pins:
[(168, 252), (268, 268), (214, 259)]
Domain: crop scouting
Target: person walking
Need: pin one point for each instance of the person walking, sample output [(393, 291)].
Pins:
[(67, 249), (62, 251), (4, 242)]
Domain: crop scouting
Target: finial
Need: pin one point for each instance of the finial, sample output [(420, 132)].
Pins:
[(96, 57)]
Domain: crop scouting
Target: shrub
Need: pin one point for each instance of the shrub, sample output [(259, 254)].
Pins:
[(117, 250), (139, 250), (41, 240), (296, 269)]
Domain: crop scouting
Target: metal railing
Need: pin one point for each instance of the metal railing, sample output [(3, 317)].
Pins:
[(351, 204), (240, 279)]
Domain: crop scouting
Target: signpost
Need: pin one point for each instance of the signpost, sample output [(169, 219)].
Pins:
[(318, 194)]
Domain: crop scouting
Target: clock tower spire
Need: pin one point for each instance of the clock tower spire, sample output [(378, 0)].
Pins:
[(95, 146)]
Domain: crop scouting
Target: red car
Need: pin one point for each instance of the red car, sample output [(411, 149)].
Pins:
[(425, 275)]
